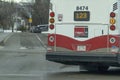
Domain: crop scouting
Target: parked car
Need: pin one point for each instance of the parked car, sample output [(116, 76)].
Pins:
[(36, 29), (39, 28), (43, 27)]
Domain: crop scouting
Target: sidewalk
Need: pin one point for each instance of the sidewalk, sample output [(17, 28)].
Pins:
[(4, 37)]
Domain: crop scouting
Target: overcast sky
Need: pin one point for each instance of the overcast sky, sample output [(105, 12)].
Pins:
[(19, 0)]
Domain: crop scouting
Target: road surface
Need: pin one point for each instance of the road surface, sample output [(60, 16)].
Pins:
[(22, 57)]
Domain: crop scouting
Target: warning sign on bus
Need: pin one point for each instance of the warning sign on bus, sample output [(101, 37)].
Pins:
[(80, 32)]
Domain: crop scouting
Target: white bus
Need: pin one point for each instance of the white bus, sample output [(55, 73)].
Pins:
[(84, 32)]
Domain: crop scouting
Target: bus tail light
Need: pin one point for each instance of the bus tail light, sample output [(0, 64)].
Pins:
[(51, 26), (52, 14), (112, 21), (112, 14), (112, 27), (52, 20)]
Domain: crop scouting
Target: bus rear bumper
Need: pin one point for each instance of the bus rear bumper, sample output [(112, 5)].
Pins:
[(77, 58)]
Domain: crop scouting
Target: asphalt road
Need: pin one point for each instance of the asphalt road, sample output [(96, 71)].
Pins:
[(22, 57)]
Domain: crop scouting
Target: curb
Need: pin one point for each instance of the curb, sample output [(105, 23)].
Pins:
[(3, 41)]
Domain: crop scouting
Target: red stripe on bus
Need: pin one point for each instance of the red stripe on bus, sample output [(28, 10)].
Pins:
[(91, 44)]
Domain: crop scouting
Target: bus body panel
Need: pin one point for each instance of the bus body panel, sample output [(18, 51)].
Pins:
[(98, 13), (84, 27)]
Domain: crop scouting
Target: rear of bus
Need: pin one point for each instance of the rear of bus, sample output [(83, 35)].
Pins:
[(83, 32)]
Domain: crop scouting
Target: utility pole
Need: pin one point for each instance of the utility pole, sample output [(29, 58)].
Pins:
[(30, 20), (12, 3)]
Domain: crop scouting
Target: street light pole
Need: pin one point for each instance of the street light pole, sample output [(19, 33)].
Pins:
[(30, 20)]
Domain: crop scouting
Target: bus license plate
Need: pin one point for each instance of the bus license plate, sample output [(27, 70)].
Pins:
[(81, 48)]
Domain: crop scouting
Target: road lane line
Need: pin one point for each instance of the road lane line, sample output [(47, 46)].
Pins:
[(7, 37), (23, 48), (41, 41), (21, 75)]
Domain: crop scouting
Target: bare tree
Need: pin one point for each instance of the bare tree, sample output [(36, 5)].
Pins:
[(40, 12), (6, 11)]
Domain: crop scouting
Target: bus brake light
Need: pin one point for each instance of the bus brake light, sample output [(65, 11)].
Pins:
[(51, 26), (52, 14), (112, 14), (112, 27)]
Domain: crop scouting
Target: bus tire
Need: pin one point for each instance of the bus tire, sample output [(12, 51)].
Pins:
[(97, 68), (103, 68)]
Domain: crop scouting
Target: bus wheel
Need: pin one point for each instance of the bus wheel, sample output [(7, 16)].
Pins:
[(96, 68), (103, 68)]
